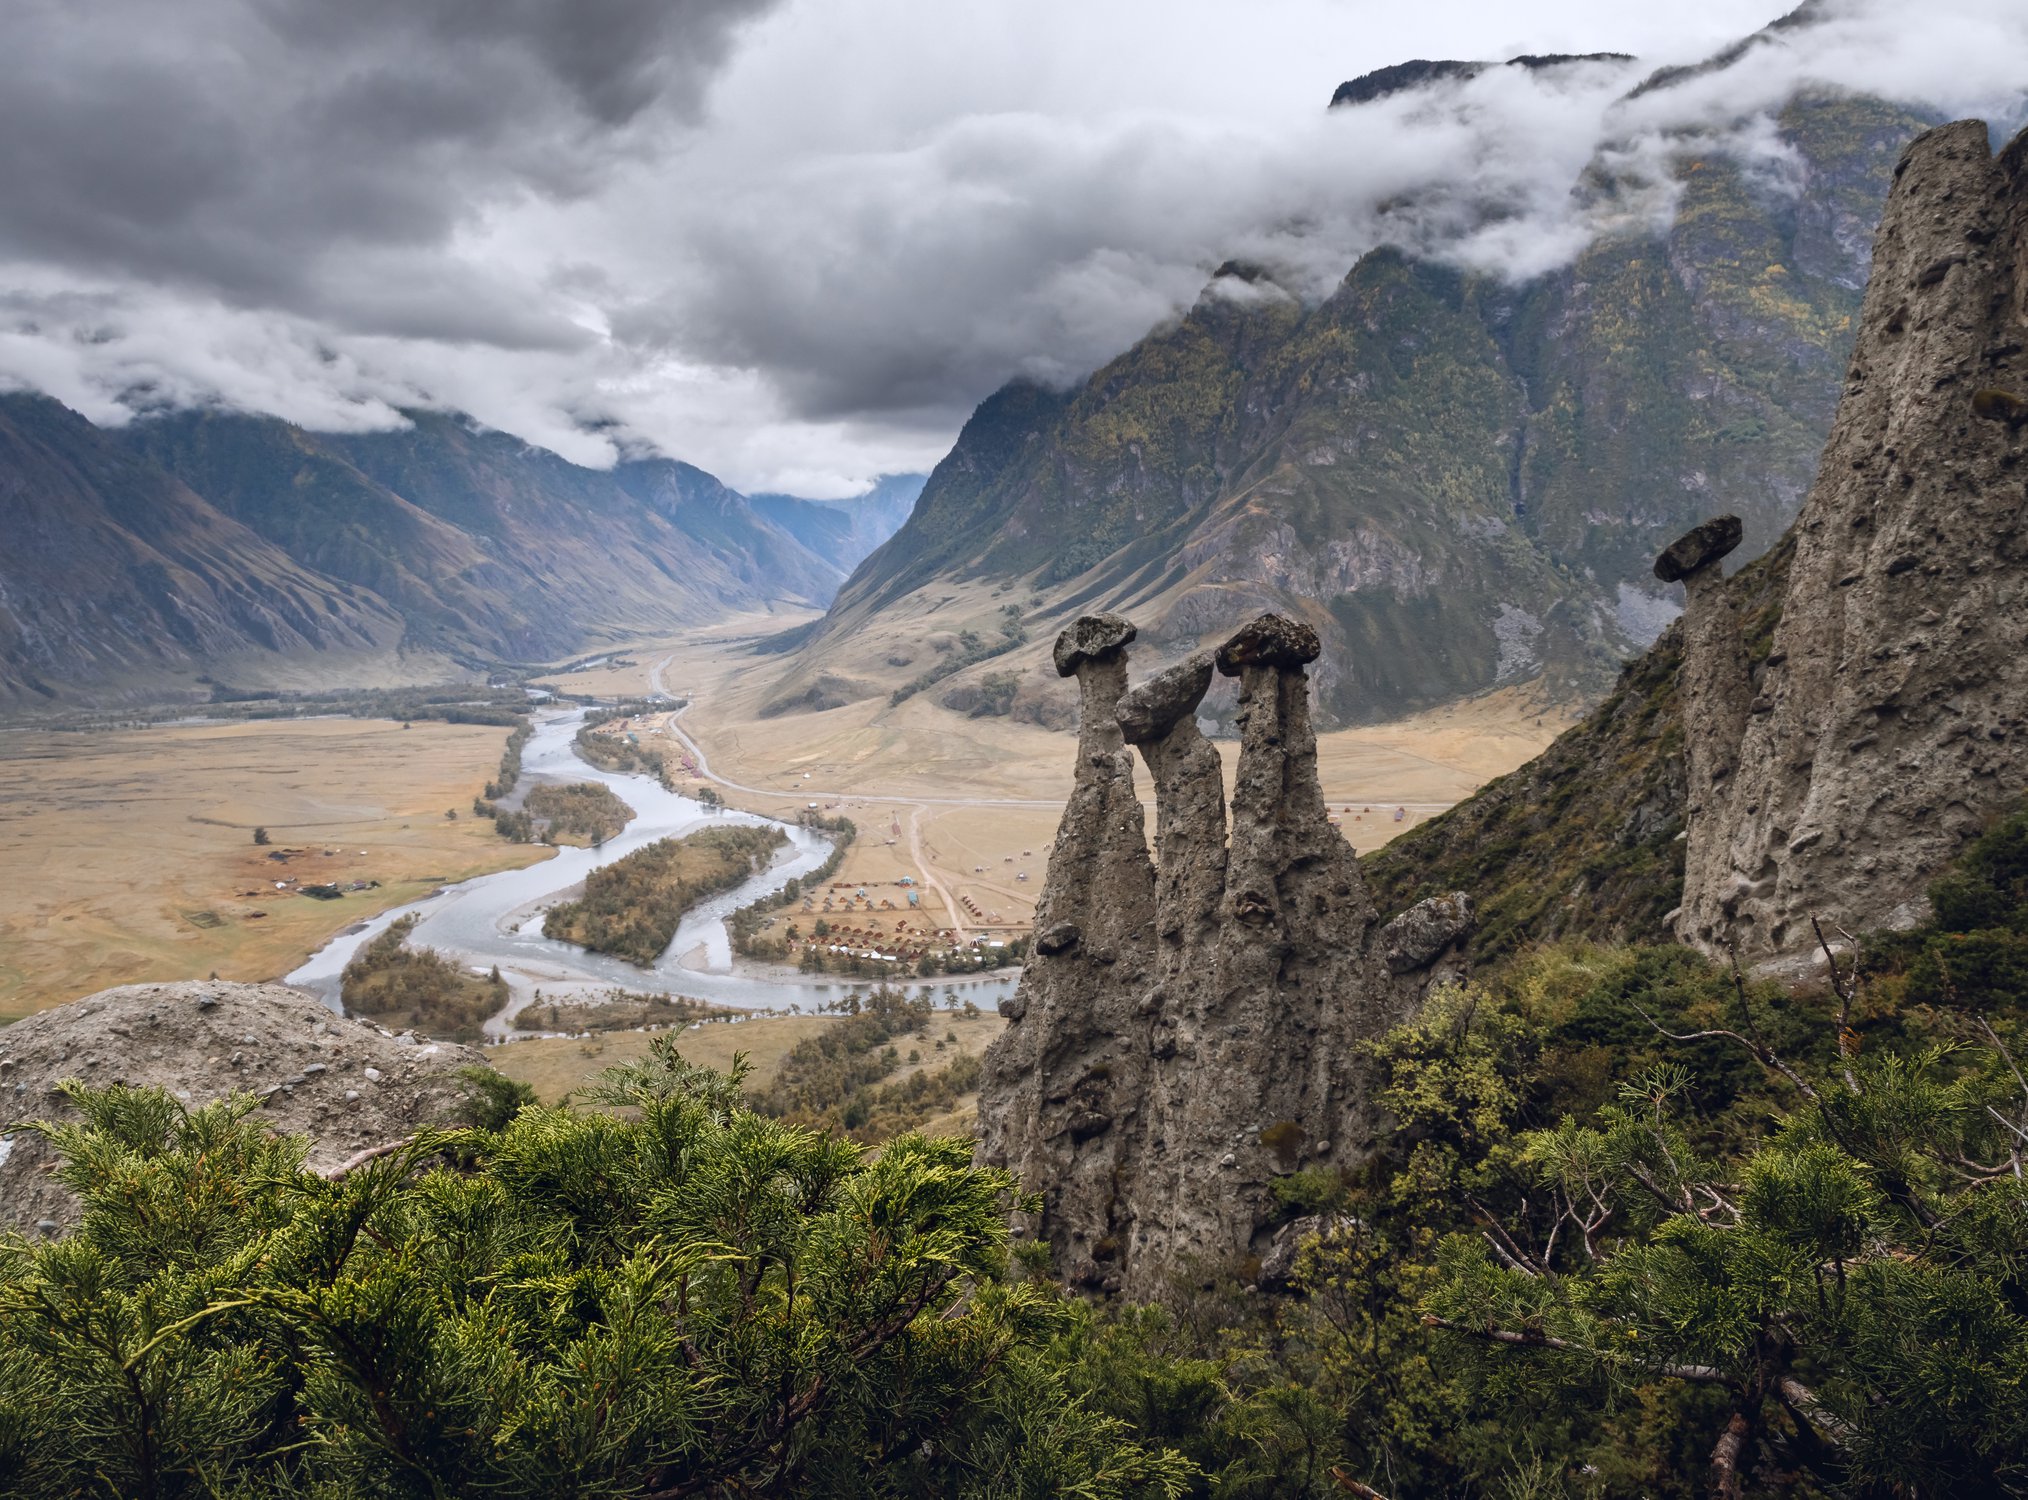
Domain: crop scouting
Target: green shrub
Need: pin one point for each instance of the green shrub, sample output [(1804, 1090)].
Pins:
[(692, 1301)]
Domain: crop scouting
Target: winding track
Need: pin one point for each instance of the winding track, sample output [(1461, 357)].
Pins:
[(929, 878), (704, 770)]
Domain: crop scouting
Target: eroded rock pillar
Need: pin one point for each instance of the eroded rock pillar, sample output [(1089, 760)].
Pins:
[(1159, 719), (1253, 1077), (1716, 691), (1063, 1086)]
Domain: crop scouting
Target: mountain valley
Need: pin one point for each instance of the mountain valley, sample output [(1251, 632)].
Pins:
[(204, 545)]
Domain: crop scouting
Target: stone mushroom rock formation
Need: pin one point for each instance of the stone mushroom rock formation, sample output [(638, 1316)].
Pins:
[(1715, 681), (1697, 549), (1889, 720), (1153, 1091), (1067, 1077)]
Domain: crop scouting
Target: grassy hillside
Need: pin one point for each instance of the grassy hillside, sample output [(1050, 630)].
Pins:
[(1585, 840)]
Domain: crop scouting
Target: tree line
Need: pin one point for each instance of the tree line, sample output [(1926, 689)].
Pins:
[(633, 906)]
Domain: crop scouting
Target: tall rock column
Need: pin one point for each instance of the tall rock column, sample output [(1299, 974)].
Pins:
[(1063, 1086), (1716, 688), (1891, 718), (1159, 718), (1181, 1041), (1257, 1072)]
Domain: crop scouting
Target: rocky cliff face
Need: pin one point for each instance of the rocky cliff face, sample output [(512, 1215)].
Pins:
[(1889, 720), (1458, 483), (1187, 1030)]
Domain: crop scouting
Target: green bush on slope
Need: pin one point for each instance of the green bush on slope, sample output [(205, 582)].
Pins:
[(1630, 1203), (692, 1301)]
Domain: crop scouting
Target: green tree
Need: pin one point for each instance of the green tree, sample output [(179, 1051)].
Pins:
[(690, 1301), (1854, 1292)]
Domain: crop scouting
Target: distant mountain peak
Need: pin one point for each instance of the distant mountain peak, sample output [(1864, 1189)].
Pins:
[(1810, 13), (1400, 77)]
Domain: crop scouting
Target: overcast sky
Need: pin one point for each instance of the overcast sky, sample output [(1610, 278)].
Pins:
[(794, 241)]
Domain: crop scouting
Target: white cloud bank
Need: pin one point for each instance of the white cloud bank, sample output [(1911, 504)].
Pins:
[(795, 243)]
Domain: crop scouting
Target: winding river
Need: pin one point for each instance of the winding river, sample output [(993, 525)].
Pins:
[(496, 920)]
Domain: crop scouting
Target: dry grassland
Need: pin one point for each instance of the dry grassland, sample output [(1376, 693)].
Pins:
[(128, 855), (891, 768), (554, 1066)]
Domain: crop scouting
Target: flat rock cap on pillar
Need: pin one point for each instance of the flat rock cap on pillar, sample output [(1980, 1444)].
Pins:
[(1270, 641), (1156, 706), (1698, 547), (1088, 638)]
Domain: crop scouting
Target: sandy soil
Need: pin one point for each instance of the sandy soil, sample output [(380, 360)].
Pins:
[(554, 1066), (127, 855)]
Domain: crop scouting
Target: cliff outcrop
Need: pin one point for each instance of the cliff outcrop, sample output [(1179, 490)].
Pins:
[(1187, 1029), (347, 1084), (1888, 721)]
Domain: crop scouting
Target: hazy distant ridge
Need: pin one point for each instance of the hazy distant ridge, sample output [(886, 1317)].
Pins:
[(211, 539)]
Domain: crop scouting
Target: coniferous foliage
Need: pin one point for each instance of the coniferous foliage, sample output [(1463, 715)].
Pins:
[(1642, 1226), (694, 1301)]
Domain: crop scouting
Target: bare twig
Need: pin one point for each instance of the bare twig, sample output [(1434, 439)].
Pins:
[(1509, 1249), (353, 1163), (1762, 1054), (1803, 1401), (1846, 988), (1730, 1483), (1719, 1201), (1506, 1259), (1527, 1338), (1352, 1486)]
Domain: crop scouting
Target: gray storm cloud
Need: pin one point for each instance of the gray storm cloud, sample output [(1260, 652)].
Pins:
[(707, 223), (321, 158)]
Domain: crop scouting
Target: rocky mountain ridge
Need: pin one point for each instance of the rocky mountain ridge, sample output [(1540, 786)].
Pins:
[(112, 569), (1825, 730), (1823, 735), (1458, 482), (235, 546)]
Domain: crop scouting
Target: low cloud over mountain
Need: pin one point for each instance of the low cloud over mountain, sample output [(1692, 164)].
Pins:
[(793, 242)]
